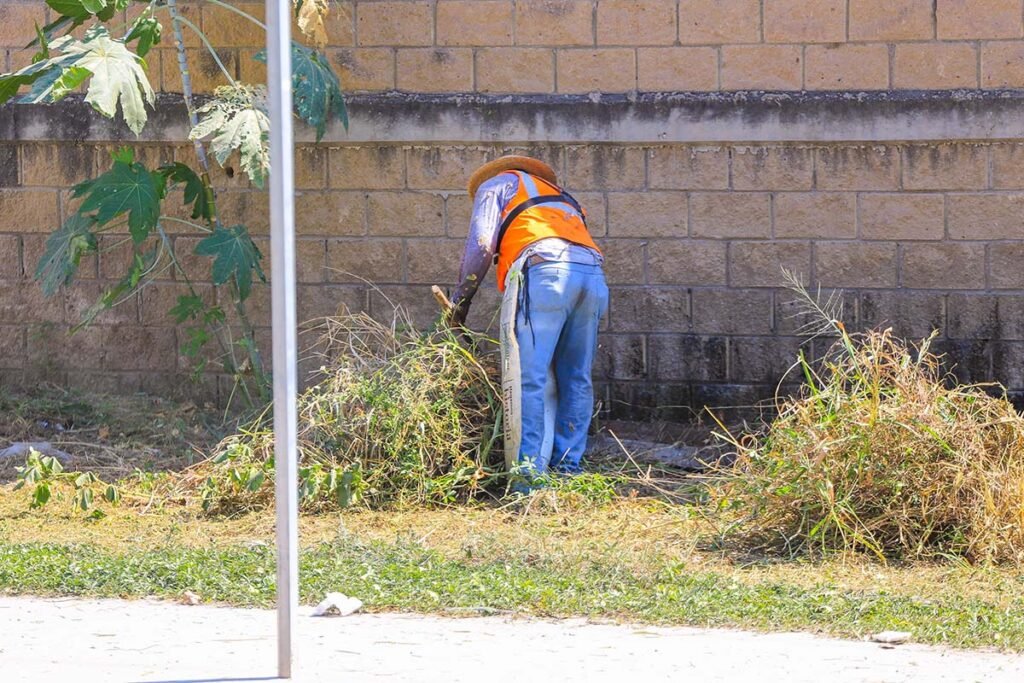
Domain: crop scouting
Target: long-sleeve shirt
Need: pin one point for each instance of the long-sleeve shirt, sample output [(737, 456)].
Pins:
[(491, 199)]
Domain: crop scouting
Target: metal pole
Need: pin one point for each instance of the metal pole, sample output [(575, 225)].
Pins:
[(282, 280)]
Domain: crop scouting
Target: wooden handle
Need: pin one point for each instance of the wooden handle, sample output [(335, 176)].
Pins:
[(442, 300)]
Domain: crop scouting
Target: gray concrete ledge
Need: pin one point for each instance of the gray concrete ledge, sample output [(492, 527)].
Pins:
[(643, 118)]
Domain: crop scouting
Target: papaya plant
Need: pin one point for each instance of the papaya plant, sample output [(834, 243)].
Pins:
[(109, 63), (43, 472)]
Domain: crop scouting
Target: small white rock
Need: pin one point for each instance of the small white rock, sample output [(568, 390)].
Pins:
[(337, 605), (891, 637)]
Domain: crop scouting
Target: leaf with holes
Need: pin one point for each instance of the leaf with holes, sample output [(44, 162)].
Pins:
[(236, 119), (126, 188), (316, 89), (64, 250), (235, 255)]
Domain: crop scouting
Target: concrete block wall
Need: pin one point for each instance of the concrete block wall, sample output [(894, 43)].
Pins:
[(581, 46), (888, 165), (919, 237)]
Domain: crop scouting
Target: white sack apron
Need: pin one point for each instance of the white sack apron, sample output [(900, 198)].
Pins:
[(512, 376)]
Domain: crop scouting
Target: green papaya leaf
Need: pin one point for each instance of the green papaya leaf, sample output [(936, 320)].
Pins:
[(126, 188), (195, 189), (147, 30), (316, 89), (11, 83), (84, 498), (111, 494), (72, 9), (56, 84), (94, 6), (236, 119), (345, 489), (41, 495), (64, 250), (196, 339), (215, 315), (73, 13), (235, 255), (255, 480), (142, 264), (44, 47), (189, 306), (82, 10)]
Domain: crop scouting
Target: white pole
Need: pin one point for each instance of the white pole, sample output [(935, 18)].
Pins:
[(282, 281)]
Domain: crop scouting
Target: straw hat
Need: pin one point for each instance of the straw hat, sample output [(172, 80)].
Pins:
[(510, 162)]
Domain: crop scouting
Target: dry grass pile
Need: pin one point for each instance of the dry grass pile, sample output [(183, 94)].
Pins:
[(883, 453), (395, 417)]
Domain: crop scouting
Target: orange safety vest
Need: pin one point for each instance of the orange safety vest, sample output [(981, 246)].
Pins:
[(537, 211)]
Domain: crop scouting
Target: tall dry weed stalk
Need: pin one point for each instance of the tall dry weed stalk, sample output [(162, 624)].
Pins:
[(880, 452)]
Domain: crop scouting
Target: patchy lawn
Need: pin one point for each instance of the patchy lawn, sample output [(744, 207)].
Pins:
[(627, 560), (559, 555)]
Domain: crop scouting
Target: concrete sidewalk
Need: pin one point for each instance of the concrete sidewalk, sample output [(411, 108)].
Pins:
[(117, 641)]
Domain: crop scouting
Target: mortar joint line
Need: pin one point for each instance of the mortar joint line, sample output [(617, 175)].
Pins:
[(433, 23), (847, 3), (977, 57), (988, 267), (899, 265), (813, 268), (803, 67), (679, 23), (718, 67), (761, 27), (636, 69), (554, 62), (891, 50), (989, 167)]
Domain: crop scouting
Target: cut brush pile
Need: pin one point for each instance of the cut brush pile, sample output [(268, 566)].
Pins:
[(394, 417), (881, 452)]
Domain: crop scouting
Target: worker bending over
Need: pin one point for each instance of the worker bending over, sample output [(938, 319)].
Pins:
[(554, 296)]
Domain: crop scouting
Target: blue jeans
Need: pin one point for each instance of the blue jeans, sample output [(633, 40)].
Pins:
[(561, 306)]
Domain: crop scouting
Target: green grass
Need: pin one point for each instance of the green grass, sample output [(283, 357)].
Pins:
[(409, 576)]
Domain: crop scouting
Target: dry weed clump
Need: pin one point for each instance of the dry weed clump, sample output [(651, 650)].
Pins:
[(882, 452), (394, 417)]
